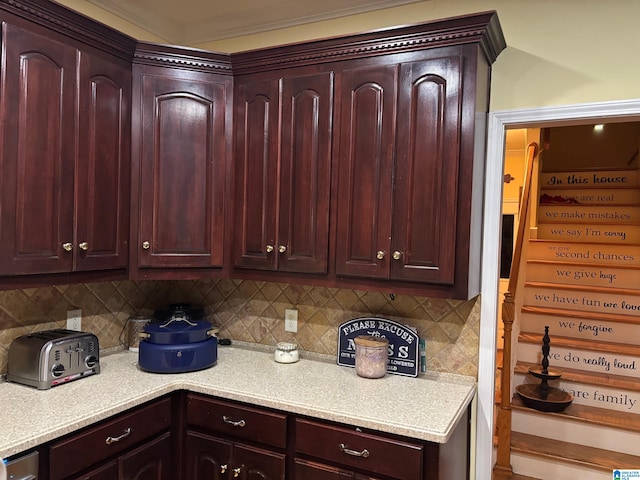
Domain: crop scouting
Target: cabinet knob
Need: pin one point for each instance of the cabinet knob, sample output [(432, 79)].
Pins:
[(236, 472), (380, 255), (269, 248), (223, 468), (84, 246), (282, 249), (146, 245), (67, 246), (397, 255)]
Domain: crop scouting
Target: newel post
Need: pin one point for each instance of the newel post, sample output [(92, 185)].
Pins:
[(503, 469)]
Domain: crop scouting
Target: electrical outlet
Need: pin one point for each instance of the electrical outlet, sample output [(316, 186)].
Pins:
[(290, 320), (74, 319)]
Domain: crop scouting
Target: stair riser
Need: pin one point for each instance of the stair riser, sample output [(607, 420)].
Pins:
[(597, 196), (579, 433), (602, 179), (588, 360), (590, 233), (614, 255), (583, 301), (584, 214), (546, 469), (617, 399), (594, 276), (606, 331)]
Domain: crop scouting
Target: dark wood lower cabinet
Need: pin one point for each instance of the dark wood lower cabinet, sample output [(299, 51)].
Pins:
[(103, 472), (212, 458), (306, 470), (189, 436), (151, 461)]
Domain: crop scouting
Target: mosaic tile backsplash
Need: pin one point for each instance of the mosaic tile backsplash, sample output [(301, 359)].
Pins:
[(248, 311)]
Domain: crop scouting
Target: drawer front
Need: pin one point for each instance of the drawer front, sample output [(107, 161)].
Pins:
[(237, 421), (364, 451), (100, 442)]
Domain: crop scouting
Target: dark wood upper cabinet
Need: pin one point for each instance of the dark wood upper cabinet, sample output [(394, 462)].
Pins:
[(283, 172), (179, 165), (65, 154), (348, 162), (38, 153), (256, 161), (425, 203), (406, 145), (365, 158), (104, 152)]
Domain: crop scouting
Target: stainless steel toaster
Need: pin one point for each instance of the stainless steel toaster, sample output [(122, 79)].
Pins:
[(52, 357)]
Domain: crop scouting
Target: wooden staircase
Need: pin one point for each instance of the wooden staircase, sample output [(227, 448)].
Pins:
[(582, 279)]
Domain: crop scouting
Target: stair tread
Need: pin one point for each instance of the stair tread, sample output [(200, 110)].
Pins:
[(591, 378), (591, 457), (602, 346), (515, 476), (588, 414), (560, 312), (585, 288)]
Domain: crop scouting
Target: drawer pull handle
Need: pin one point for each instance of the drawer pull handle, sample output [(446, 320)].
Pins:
[(223, 468), (239, 423), (236, 472), (364, 453), (111, 440)]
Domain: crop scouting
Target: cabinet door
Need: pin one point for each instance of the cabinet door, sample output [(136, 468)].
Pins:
[(426, 176), (306, 470), (257, 464), (102, 224), (305, 173), (206, 458), (104, 472), (151, 461), (256, 193), (365, 163), (182, 170), (38, 153)]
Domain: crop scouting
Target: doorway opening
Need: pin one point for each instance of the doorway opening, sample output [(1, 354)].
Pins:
[(499, 123)]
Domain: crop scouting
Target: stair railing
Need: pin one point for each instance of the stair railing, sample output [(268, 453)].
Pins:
[(502, 469)]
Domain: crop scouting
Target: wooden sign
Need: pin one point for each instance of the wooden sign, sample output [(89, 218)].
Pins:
[(403, 343)]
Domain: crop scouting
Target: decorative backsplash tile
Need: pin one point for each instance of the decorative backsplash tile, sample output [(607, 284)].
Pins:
[(248, 311)]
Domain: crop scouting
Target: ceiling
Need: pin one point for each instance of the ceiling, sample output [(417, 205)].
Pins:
[(192, 22)]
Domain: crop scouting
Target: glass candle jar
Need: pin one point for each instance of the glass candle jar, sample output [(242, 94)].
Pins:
[(371, 356), (286, 352)]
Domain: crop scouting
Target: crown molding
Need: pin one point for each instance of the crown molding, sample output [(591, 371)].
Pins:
[(72, 24)]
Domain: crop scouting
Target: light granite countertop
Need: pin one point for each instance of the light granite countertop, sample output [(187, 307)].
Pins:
[(427, 407)]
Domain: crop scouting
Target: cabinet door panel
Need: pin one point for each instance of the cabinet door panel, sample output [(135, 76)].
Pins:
[(367, 135), (104, 472), (206, 458), (151, 461), (257, 463), (38, 153), (305, 173), (306, 470), (256, 193), (424, 228), (103, 164), (182, 167)]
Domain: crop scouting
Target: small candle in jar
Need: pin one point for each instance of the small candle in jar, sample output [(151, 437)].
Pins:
[(286, 352), (371, 356)]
